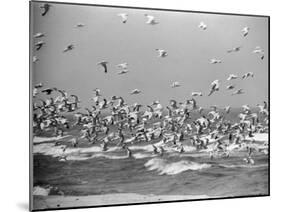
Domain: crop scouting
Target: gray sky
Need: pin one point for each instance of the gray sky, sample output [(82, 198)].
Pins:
[(189, 49)]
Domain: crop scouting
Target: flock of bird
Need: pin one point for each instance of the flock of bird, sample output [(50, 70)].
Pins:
[(112, 121)]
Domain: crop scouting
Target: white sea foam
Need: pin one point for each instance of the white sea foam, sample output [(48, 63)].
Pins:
[(164, 167), (39, 191), (37, 139)]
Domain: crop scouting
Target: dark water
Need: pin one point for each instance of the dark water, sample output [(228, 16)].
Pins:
[(171, 174), (223, 177)]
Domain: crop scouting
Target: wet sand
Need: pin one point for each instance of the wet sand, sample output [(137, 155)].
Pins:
[(50, 202)]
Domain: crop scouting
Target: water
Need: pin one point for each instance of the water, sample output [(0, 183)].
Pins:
[(171, 174)]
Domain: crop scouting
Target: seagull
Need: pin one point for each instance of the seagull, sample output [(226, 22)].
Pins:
[(175, 84), (68, 48), (239, 91), (124, 71), (249, 74), (227, 109), (151, 19), (48, 91), (39, 35), (245, 31), (34, 59), (124, 17), (215, 61), (202, 25), (196, 94), (39, 85), (46, 8), (235, 49), (260, 51), (39, 45), (162, 53), (135, 91), (104, 65), (214, 87), (230, 87), (123, 65), (232, 76), (80, 25)]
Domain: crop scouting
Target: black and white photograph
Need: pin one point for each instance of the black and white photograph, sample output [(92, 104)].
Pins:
[(134, 105)]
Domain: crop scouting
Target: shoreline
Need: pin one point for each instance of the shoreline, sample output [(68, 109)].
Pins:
[(55, 201)]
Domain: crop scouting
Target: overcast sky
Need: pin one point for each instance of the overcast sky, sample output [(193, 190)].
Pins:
[(189, 49)]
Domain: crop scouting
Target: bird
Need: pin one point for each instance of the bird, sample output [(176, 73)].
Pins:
[(124, 17), (48, 91), (34, 59), (215, 61), (232, 76), (214, 87), (69, 48), (202, 25), (239, 91), (196, 94), (46, 8), (135, 91), (227, 109), (230, 87), (123, 65), (162, 53), (124, 71), (104, 65), (151, 19), (245, 31), (175, 84), (248, 74), (235, 49), (39, 45), (79, 25), (260, 51), (39, 35), (39, 85)]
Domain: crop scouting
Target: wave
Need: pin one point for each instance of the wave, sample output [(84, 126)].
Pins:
[(243, 166), (164, 167), (38, 140), (40, 191)]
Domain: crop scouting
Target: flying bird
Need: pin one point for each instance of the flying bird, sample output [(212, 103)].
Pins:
[(69, 48), (48, 91), (215, 61), (39, 35), (245, 31), (214, 87), (34, 59), (39, 85), (239, 91), (196, 94), (45, 7), (175, 84), (39, 45), (230, 87), (124, 71), (123, 65), (249, 74), (162, 53), (202, 25), (260, 51), (227, 109), (232, 76), (135, 91), (124, 17), (104, 65), (235, 49), (80, 25), (151, 20)]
